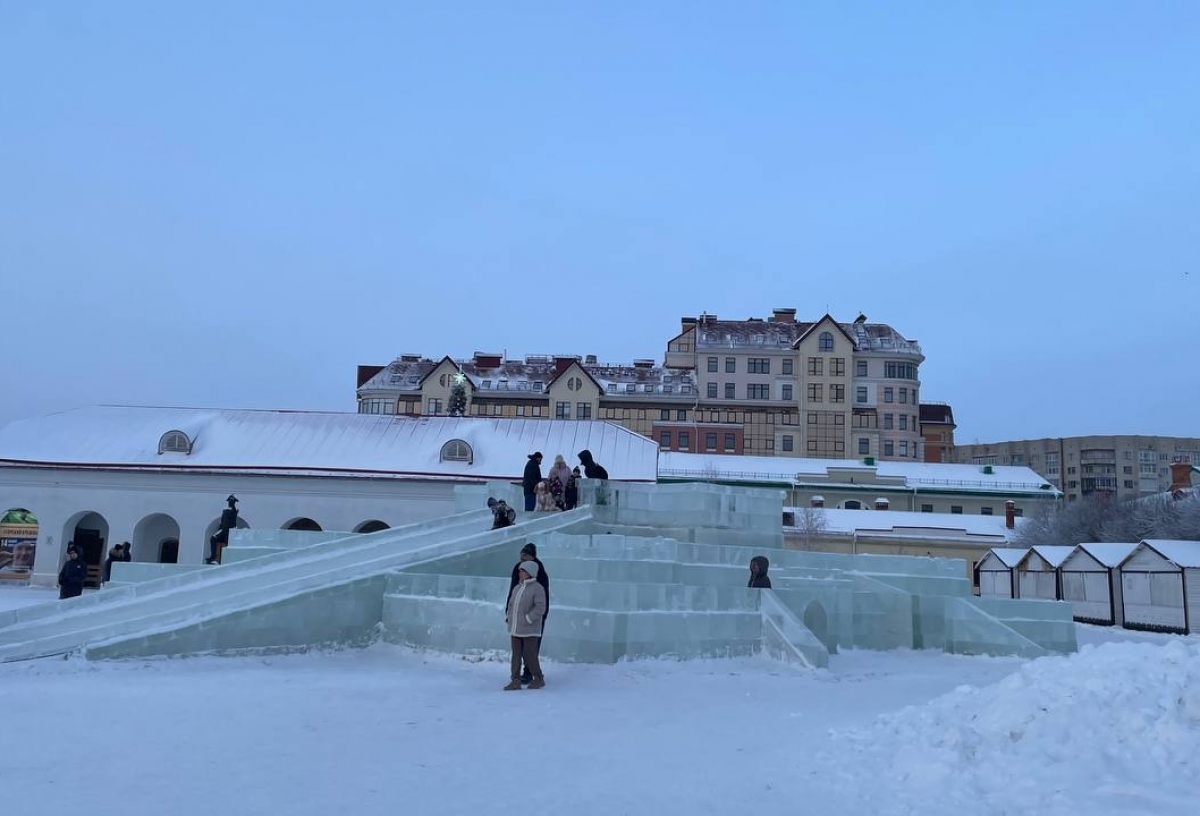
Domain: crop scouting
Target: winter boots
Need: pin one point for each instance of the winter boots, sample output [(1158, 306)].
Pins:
[(538, 682), (514, 684)]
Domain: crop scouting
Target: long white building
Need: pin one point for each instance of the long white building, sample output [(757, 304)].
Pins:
[(159, 477)]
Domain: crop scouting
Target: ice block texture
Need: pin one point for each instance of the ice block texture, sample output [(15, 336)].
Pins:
[(640, 571)]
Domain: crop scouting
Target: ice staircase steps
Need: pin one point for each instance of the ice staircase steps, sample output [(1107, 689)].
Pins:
[(589, 621)]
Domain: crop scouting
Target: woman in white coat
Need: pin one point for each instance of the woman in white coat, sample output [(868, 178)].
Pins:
[(526, 608)]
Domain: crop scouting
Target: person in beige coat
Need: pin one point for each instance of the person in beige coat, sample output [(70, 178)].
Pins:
[(526, 608)]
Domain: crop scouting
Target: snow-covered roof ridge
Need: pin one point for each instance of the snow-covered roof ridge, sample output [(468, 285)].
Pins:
[(1010, 556), (312, 442), (796, 470), (1054, 554), (1184, 554), (1109, 553)]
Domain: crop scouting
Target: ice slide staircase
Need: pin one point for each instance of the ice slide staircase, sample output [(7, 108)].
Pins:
[(630, 595), (331, 591)]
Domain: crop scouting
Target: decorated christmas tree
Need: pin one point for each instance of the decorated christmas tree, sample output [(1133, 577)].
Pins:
[(458, 396)]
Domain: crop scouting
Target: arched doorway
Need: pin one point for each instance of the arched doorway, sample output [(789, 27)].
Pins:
[(372, 526), (18, 544), (304, 524), (211, 530), (851, 504), (818, 623), (149, 536), (89, 531)]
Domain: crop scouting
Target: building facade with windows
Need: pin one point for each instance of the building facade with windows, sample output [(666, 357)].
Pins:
[(763, 386), (937, 431), (1124, 467)]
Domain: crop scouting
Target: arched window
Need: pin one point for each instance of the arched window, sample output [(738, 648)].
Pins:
[(457, 451), (174, 442), (825, 341)]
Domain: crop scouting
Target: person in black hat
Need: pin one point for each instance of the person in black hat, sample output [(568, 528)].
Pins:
[(73, 574), (591, 468), (529, 553), (529, 482)]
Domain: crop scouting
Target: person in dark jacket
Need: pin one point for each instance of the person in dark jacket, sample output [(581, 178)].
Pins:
[(529, 553), (115, 554), (758, 573), (126, 555), (502, 514), (529, 482), (571, 491), (72, 575), (590, 468)]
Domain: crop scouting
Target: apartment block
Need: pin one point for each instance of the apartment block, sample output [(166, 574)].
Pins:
[(762, 386), (1123, 467)]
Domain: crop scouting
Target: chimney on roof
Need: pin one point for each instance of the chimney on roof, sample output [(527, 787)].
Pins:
[(1010, 514), (561, 364), (590, 359), (882, 503), (1181, 476), (366, 372), (783, 316), (817, 501)]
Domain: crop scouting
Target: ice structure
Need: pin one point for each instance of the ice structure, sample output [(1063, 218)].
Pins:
[(639, 570)]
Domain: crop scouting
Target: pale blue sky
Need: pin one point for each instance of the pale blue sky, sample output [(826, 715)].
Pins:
[(234, 204)]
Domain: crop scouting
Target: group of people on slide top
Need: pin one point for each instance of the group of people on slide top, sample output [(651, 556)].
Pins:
[(559, 489), (528, 603)]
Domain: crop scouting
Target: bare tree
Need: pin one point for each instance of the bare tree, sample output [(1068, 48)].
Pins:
[(1101, 519), (811, 526)]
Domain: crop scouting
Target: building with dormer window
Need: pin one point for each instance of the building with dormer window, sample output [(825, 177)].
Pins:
[(762, 386)]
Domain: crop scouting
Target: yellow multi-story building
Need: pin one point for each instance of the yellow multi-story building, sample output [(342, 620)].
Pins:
[(773, 387)]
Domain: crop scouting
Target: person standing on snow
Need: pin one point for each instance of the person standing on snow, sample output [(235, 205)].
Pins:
[(529, 482), (529, 553), (72, 575), (526, 610)]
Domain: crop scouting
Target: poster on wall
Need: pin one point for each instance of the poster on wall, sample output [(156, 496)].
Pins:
[(18, 545)]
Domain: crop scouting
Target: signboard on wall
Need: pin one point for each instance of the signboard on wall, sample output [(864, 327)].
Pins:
[(18, 545)]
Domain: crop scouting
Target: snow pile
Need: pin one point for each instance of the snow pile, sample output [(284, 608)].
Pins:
[(1114, 729)]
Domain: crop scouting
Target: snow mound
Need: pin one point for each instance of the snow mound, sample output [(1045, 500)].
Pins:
[(1113, 729)]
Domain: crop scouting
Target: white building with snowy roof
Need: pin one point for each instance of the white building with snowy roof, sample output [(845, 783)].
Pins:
[(159, 477), (852, 484), (1160, 586), (1091, 581), (896, 532), (1037, 573), (997, 572)]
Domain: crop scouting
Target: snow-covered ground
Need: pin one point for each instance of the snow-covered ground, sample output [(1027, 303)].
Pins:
[(1112, 730)]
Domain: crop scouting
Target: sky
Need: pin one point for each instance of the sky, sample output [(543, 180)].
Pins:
[(235, 204)]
